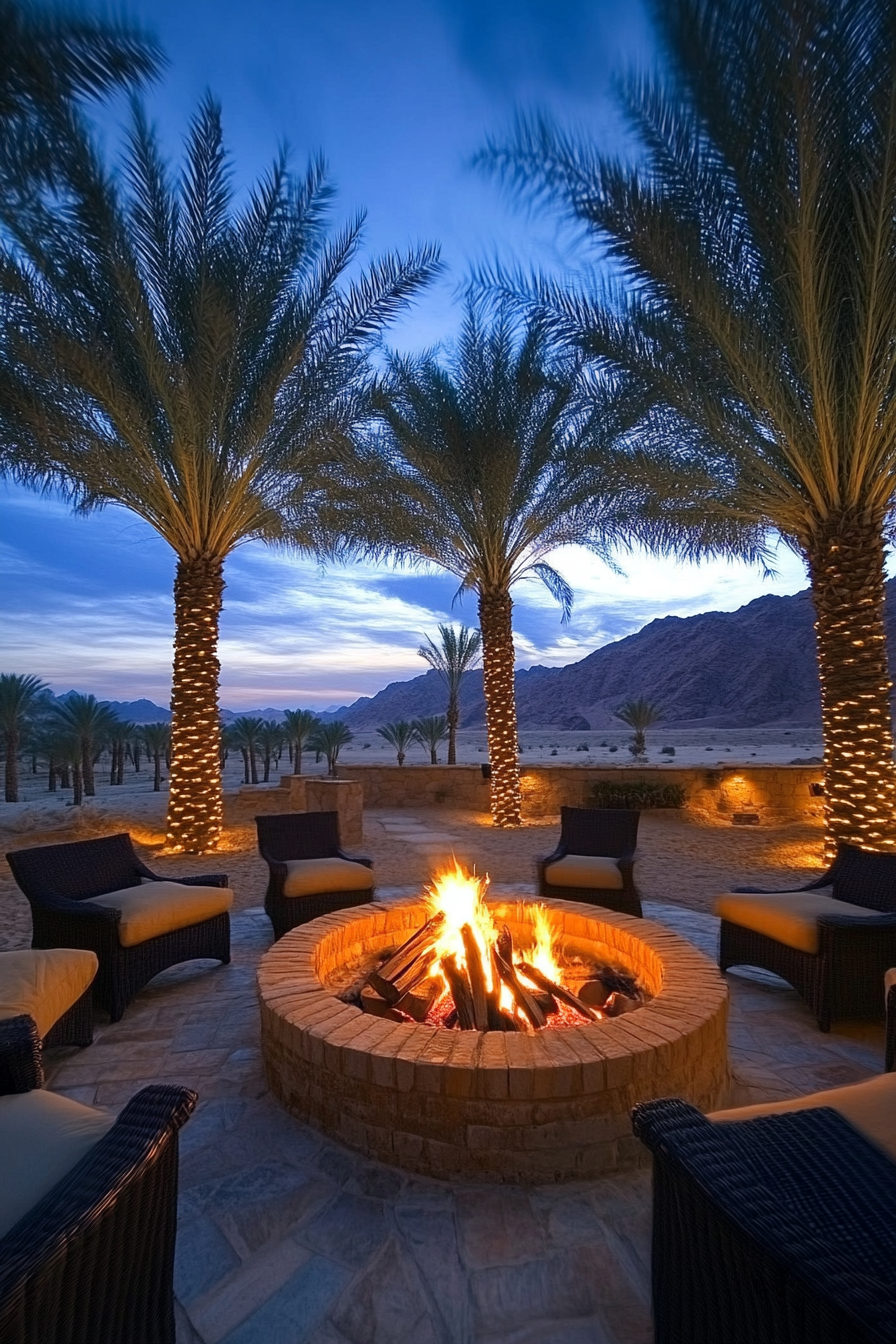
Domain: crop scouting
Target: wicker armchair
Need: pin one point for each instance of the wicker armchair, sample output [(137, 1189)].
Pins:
[(600, 833), (60, 881), (308, 836), (93, 1260), (890, 997), (842, 978), (777, 1230)]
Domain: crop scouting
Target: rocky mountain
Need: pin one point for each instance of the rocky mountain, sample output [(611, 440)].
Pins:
[(736, 669)]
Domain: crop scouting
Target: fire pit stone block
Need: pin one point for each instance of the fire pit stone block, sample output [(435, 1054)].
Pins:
[(490, 1106)]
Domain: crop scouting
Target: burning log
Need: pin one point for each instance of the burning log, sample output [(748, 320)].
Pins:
[(418, 1003), (402, 970), (503, 955), (372, 1003), (460, 993), (564, 995), (476, 975)]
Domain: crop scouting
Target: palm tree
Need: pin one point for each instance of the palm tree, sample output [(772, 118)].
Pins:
[(156, 738), (399, 735), (48, 61), (483, 467), (757, 242), (299, 724), (201, 365), (328, 739), (244, 734), (119, 741), (456, 652), (640, 715), (69, 753), (430, 732), (92, 723), (19, 697), (270, 740)]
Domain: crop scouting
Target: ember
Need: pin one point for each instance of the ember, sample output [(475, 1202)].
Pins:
[(460, 970)]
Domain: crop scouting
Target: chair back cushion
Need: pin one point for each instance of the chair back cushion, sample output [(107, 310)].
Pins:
[(155, 908), (608, 831), (44, 983), (78, 871), (864, 878), (318, 877), (42, 1137), (299, 835)]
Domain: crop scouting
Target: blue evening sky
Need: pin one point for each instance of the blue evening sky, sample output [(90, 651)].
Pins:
[(398, 96)]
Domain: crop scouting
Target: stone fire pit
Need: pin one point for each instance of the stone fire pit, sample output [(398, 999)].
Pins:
[(493, 1106)]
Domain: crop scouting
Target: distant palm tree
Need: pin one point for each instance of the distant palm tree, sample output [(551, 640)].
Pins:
[(19, 697), (92, 723), (70, 755), (399, 735), (430, 732), (484, 466), (245, 734), (156, 738), (756, 240), (270, 740), (329, 739), (120, 737), (640, 715), (49, 59), (456, 652), (299, 724), (200, 363)]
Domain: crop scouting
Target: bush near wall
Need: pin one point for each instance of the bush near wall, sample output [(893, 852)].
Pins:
[(639, 794)]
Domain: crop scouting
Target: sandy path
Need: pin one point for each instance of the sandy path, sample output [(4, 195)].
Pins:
[(680, 860)]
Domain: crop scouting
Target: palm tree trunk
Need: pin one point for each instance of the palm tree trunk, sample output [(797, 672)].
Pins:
[(253, 765), (453, 716), (495, 623), (195, 800), (846, 566), (297, 759), (65, 781), (77, 784), (157, 777), (51, 776), (433, 756), (245, 756), (12, 766), (267, 767), (87, 767)]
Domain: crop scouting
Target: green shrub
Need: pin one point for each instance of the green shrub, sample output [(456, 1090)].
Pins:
[(640, 795)]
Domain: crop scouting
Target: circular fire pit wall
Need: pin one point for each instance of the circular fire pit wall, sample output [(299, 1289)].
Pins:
[(497, 1106)]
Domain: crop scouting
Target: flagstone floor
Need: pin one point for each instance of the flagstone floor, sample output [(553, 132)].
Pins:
[(287, 1238)]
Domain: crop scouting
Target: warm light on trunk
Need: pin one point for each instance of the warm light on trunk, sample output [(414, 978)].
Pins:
[(847, 572), (495, 623), (195, 801)]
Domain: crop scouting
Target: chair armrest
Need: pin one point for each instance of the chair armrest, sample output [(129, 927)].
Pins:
[(559, 853), (277, 866), (858, 922), (21, 1069), (86, 910), (203, 880), (355, 858)]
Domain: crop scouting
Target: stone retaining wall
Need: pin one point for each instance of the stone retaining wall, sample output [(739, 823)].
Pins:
[(775, 793)]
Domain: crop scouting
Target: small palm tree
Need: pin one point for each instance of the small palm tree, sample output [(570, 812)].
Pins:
[(69, 752), (756, 240), (399, 735), (20, 695), (485, 466), (430, 732), (156, 740), (201, 364), (120, 737), (92, 723), (640, 715), (456, 652), (270, 740), (328, 739), (245, 734), (299, 724)]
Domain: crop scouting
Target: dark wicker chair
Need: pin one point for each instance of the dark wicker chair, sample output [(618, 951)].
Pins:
[(59, 879), (890, 1062), (600, 832), (843, 979), (93, 1261), (774, 1230), (303, 835)]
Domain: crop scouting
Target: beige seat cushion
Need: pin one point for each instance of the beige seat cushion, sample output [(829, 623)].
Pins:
[(870, 1106), (161, 907), (316, 877), (42, 1136), (790, 917), (584, 870), (44, 983)]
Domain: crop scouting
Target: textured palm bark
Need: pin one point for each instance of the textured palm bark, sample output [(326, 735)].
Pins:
[(195, 800), (495, 623), (453, 717), (846, 565), (87, 767)]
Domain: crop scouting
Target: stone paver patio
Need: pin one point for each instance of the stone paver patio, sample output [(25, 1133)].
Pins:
[(287, 1238)]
